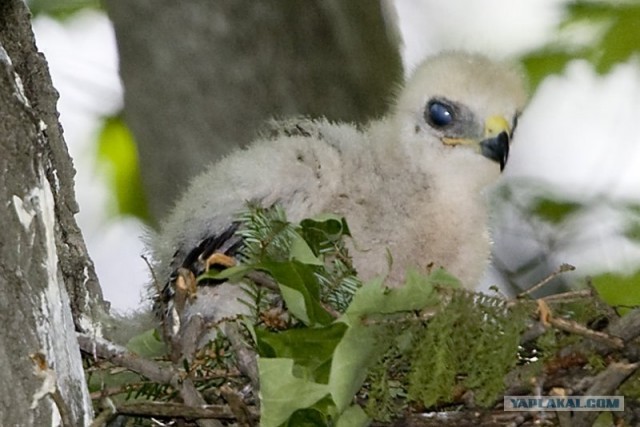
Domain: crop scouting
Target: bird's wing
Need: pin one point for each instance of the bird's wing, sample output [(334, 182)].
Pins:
[(294, 165)]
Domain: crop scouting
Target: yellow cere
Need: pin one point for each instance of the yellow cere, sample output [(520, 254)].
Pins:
[(495, 125)]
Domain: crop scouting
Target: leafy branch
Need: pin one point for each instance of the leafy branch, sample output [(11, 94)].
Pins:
[(333, 352)]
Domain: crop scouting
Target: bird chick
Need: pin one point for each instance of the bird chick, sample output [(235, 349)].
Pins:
[(410, 184)]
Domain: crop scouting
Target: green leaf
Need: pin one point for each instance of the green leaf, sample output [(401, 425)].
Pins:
[(554, 211), (617, 39), (416, 293), (621, 38), (62, 9), (300, 290), (118, 156), (632, 231), (309, 417), (333, 225), (632, 226), (147, 344), (617, 289), (360, 346), (103, 378), (282, 393), (353, 416), (541, 63), (618, 42), (322, 231), (356, 352), (300, 251), (310, 348), (296, 303)]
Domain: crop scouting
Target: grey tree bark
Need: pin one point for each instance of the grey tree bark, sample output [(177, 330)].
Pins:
[(47, 281), (201, 76)]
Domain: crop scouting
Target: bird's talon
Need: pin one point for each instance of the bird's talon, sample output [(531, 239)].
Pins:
[(185, 285), (544, 312), (218, 258)]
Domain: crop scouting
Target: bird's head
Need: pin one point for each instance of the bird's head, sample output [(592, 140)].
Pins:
[(461, 110)]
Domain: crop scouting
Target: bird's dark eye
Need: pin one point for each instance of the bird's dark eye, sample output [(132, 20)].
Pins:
[(438, 114)]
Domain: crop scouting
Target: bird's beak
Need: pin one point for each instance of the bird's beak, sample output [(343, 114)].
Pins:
[(495, 144)]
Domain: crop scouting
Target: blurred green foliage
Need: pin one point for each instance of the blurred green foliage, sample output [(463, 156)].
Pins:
[(620, 38), (560, 222), (118, 155), (61, 9), (148, 344), (554, 211), (618, 290)]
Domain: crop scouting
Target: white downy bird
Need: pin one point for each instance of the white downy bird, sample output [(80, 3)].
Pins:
[(411, 183)]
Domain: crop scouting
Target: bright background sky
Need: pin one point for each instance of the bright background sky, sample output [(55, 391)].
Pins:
[(579, 134)]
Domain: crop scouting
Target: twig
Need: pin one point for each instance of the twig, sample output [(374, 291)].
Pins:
[(191, 397), (263, 279), (494, 418), (576, 328), (120, 356), (216, 374), (152, 370), (106, 415), (605, 383), (534, 330), (237, 406), (332, 311), (627, 327), (185, 345), (190, 334), (562, 269), (156, 283), (609, 380), (568, 296), (180, 410), (111, 391), (416, 316), (246, 356), (103, 418)]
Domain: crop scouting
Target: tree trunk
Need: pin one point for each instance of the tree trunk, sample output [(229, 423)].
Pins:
[(47, 280), (201, 76)]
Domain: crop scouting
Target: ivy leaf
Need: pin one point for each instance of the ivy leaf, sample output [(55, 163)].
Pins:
[(300, 289), (309, 417), (311, 349), (282, 393), (334, 225), (323, 230), (416, 293), (360, 346), (300, 251), (353, 416)]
